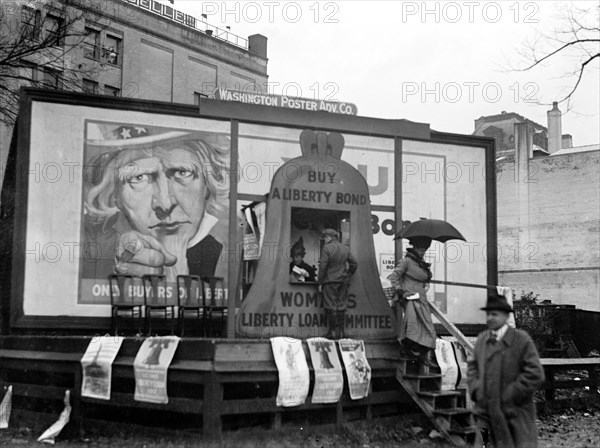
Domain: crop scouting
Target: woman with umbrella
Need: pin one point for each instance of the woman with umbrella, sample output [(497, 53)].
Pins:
[(411, 278)]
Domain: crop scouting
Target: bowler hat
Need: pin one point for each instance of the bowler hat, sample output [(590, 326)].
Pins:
[(329, 232), (497, 302)]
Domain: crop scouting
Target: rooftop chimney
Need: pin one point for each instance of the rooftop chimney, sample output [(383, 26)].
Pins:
[(554, 129), (567, 141), (257, 44)]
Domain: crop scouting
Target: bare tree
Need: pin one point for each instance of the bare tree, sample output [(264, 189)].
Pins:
[(577, 39), (40, 45)]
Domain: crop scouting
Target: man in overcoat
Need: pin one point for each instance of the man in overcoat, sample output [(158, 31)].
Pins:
[(336, 266), (502, 377)]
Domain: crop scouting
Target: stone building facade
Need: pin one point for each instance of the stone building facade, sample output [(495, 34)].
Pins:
[(548, 196), (142, 49)]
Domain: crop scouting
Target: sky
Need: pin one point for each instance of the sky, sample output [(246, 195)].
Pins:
[(442, 63)]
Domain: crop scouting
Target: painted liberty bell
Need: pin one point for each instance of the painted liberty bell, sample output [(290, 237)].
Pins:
[(310, 193)]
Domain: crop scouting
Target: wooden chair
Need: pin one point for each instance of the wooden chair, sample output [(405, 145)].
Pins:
[(122, 301), (191, 298), (212, 309), (155, 299)]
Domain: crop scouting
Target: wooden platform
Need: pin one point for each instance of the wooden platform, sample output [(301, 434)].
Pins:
[(213, 385), (590, 380)]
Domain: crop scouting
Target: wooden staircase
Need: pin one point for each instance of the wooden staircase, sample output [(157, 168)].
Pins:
[(445, 408)]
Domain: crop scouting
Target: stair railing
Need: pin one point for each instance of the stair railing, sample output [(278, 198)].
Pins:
[(452, 329)]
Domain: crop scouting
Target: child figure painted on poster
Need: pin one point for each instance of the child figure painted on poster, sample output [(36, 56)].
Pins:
[(360, 370)]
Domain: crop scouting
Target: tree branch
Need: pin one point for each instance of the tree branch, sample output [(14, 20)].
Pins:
[(581, 70), (578, 36), (33, 46), (558, 50)]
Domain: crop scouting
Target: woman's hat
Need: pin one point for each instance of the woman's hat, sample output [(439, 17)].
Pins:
[(298, 248), (420, 241), (497, 302)]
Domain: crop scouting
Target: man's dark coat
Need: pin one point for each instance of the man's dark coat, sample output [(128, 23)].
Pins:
[(502, 378)]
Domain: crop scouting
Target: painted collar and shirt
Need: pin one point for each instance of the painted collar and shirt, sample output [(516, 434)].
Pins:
[(203, 250)]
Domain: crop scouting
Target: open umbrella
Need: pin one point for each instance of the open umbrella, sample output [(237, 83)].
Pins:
[(436, 229)]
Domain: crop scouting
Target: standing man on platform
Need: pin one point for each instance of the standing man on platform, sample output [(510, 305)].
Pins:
[(502, 378), (336, 267)]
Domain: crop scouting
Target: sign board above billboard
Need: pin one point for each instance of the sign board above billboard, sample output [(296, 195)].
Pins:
[(288, 102)]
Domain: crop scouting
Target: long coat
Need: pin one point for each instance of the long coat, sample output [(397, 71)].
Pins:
[(336, 264), (502, 378), (409, 277)]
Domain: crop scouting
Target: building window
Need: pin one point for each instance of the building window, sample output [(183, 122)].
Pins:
[(55, 30), (31, 22), (198, 97), (91, 44), (49, 78), (90, 86), (112, 49), (27, 71), (113, 91)]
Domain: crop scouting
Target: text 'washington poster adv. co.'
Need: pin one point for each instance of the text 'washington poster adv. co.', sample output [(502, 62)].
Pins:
[(329, 380), (294, 379)]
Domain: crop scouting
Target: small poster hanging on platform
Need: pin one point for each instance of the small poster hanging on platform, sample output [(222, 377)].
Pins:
[(251, 236), (460, 353), (96, 366), (260, 211), (444, 354), (358, 370), (5, 408), (291, 364), (329, 380), (150, 366)]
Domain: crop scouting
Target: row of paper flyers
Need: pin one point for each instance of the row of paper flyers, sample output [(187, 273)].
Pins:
[(155, 355)]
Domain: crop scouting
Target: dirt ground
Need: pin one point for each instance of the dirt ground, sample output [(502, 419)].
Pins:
[(575, 429), (569, 428)]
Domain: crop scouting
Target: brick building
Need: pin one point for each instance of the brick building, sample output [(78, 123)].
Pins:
[(548, 195), (138, 49)]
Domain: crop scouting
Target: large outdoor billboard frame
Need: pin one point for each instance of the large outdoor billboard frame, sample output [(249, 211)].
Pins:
[(14, 216)]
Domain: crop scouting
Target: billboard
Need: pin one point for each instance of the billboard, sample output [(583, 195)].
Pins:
[(137, 194), (438, 180), (98, 185), (155, 200)]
